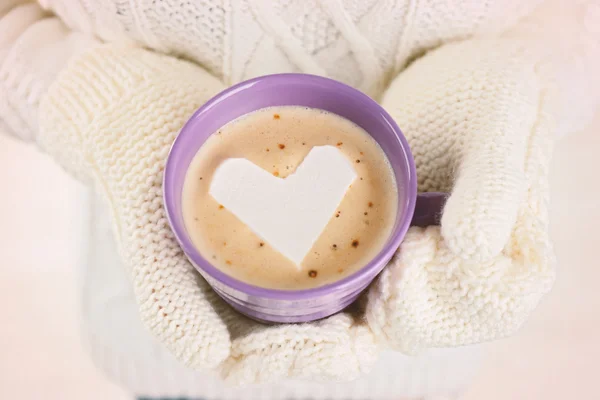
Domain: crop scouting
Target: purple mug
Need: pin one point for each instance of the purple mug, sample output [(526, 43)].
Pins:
[(270, 305)]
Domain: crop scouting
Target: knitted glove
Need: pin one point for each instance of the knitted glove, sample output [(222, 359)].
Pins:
[(111, 117), (480, 117), (478, 126)]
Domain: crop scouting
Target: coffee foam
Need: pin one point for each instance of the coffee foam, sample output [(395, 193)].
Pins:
[(291, 213)]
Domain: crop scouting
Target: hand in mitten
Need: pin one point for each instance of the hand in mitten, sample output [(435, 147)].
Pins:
[(109, 119), (481, 117), (111, 116)]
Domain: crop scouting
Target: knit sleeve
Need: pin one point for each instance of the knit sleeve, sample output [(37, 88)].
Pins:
[(34, 48)]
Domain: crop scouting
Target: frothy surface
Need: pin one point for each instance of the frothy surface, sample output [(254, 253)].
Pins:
[(277, 139)]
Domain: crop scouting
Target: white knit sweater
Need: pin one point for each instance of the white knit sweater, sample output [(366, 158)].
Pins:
[(480, 115)]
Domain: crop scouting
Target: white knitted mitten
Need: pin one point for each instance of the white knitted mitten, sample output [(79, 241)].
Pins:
[(112, 115), (481, 117), (478, 127)]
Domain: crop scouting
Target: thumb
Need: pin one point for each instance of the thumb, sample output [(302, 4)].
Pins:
[(489, 188)]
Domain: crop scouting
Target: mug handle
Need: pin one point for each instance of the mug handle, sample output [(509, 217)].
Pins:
[(428, 209)]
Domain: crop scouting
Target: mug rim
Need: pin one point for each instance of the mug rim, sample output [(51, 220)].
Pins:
[(373, 267)]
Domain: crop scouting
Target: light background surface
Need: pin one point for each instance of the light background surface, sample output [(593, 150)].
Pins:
[(555, 356)]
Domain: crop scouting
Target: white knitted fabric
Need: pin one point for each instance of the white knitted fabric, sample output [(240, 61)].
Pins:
[(360, 42), (121, 345), (126, 105), (30, 59), (478, 277), (481, 125), (480, 116)]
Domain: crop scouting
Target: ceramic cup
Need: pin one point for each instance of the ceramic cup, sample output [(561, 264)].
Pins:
[(271, 305)]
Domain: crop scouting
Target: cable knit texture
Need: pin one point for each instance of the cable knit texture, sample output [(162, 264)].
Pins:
[(360, 42), (480, 115)]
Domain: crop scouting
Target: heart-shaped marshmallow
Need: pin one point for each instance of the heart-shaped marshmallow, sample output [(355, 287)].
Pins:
[(290, 214)]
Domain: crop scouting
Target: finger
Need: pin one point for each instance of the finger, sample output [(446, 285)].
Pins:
[(498, 112), (488, 191)]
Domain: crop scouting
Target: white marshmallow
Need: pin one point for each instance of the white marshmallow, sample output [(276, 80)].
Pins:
[(289, 214)]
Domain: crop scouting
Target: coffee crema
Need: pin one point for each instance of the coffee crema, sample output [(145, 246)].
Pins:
[(277, 139)]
